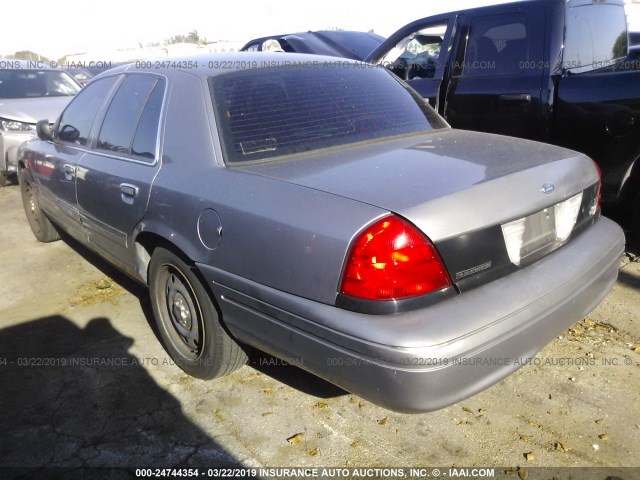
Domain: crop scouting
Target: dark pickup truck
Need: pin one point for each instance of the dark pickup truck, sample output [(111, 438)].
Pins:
[(555, 71)]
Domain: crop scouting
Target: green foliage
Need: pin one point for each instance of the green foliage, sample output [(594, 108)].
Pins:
[(28, 55), (620, 48), (191, 37)]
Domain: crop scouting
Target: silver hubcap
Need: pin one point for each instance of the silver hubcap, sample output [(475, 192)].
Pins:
[(181, 311)]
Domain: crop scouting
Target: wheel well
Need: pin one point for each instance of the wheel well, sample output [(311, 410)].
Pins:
[(146, 243), (631, 185)]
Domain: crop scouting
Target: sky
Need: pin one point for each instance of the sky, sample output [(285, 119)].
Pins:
[(56, 29)]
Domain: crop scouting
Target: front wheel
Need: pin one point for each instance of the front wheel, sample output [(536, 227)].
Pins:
[(40, 225), (188, 320)]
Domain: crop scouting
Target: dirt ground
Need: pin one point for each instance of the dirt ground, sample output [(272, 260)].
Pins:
[(90, 386)]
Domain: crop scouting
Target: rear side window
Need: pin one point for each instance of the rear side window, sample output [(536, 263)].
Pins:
[(146, 137), (270, 112), (497, 45), (77, 120), (131, 124), (595, 36)]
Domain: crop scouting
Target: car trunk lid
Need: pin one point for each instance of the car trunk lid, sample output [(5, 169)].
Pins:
[(504, 193), (485, 179)]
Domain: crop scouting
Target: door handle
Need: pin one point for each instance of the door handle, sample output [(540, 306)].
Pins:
[(128, 190), (69, 171), (515, 98)]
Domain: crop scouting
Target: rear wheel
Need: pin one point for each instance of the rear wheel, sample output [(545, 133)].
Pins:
[(188, 320), (40, 225)]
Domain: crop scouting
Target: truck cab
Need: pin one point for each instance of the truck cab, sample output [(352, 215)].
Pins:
[(554, 71)]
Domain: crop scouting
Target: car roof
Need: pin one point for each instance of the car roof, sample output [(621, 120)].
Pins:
[(209, 65), (516, 3)]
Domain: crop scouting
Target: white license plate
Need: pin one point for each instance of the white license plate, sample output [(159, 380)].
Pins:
[(544, 230)]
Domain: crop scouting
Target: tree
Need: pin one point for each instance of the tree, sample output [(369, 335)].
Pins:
[(620, 48), (28, 55), (191, 37)]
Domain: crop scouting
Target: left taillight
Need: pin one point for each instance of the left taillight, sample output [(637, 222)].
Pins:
[(392, 260)]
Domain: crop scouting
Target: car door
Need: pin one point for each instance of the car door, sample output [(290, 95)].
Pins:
[(496, 80), (113, 180), (418, 54), (57, 160)]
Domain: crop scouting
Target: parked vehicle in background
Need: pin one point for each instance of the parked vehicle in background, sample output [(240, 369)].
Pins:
[(325, 213), (336, 43), (549, 70), (80, 75), (29, 91)]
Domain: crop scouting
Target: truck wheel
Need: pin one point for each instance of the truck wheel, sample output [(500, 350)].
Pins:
[(188, 321), (636, 215), (40, 225), (4, 181)]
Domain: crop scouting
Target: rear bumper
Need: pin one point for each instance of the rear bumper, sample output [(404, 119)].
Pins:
[(436, 356)]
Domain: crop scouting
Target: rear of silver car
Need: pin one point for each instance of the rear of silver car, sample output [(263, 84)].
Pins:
[(427, 359), (509, 231)]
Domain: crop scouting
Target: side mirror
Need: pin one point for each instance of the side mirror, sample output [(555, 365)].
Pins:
[(44, 130)]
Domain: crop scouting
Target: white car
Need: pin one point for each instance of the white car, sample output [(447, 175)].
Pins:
[(29, 91)]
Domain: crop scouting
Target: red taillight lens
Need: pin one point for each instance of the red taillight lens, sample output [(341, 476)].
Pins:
[(599, 197), (391, 259)]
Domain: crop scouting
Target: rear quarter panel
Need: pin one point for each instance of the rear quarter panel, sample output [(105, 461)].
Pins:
[(282, 235)]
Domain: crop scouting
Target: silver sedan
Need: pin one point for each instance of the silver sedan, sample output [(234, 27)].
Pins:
[(319, 210), (29, 91)]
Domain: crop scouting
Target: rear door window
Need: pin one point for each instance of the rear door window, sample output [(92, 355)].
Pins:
[(130, 125), (497, 45)]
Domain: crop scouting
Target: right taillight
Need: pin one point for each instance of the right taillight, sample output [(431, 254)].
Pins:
[(391, 260)]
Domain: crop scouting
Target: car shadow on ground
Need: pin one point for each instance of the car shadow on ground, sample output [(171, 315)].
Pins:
[(629, 280), (293, 376), (75, 401), (632, 237), (282, 371)]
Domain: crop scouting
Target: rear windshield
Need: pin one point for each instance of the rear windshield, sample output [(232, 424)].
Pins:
[(36, 83), (270, 112)]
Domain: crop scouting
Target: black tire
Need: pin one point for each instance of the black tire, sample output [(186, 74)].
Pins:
[(4, 180), (635, 213), (41, 226), (188, 321)]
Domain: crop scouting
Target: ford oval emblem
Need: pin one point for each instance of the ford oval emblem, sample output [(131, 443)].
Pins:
[(548, 188)]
